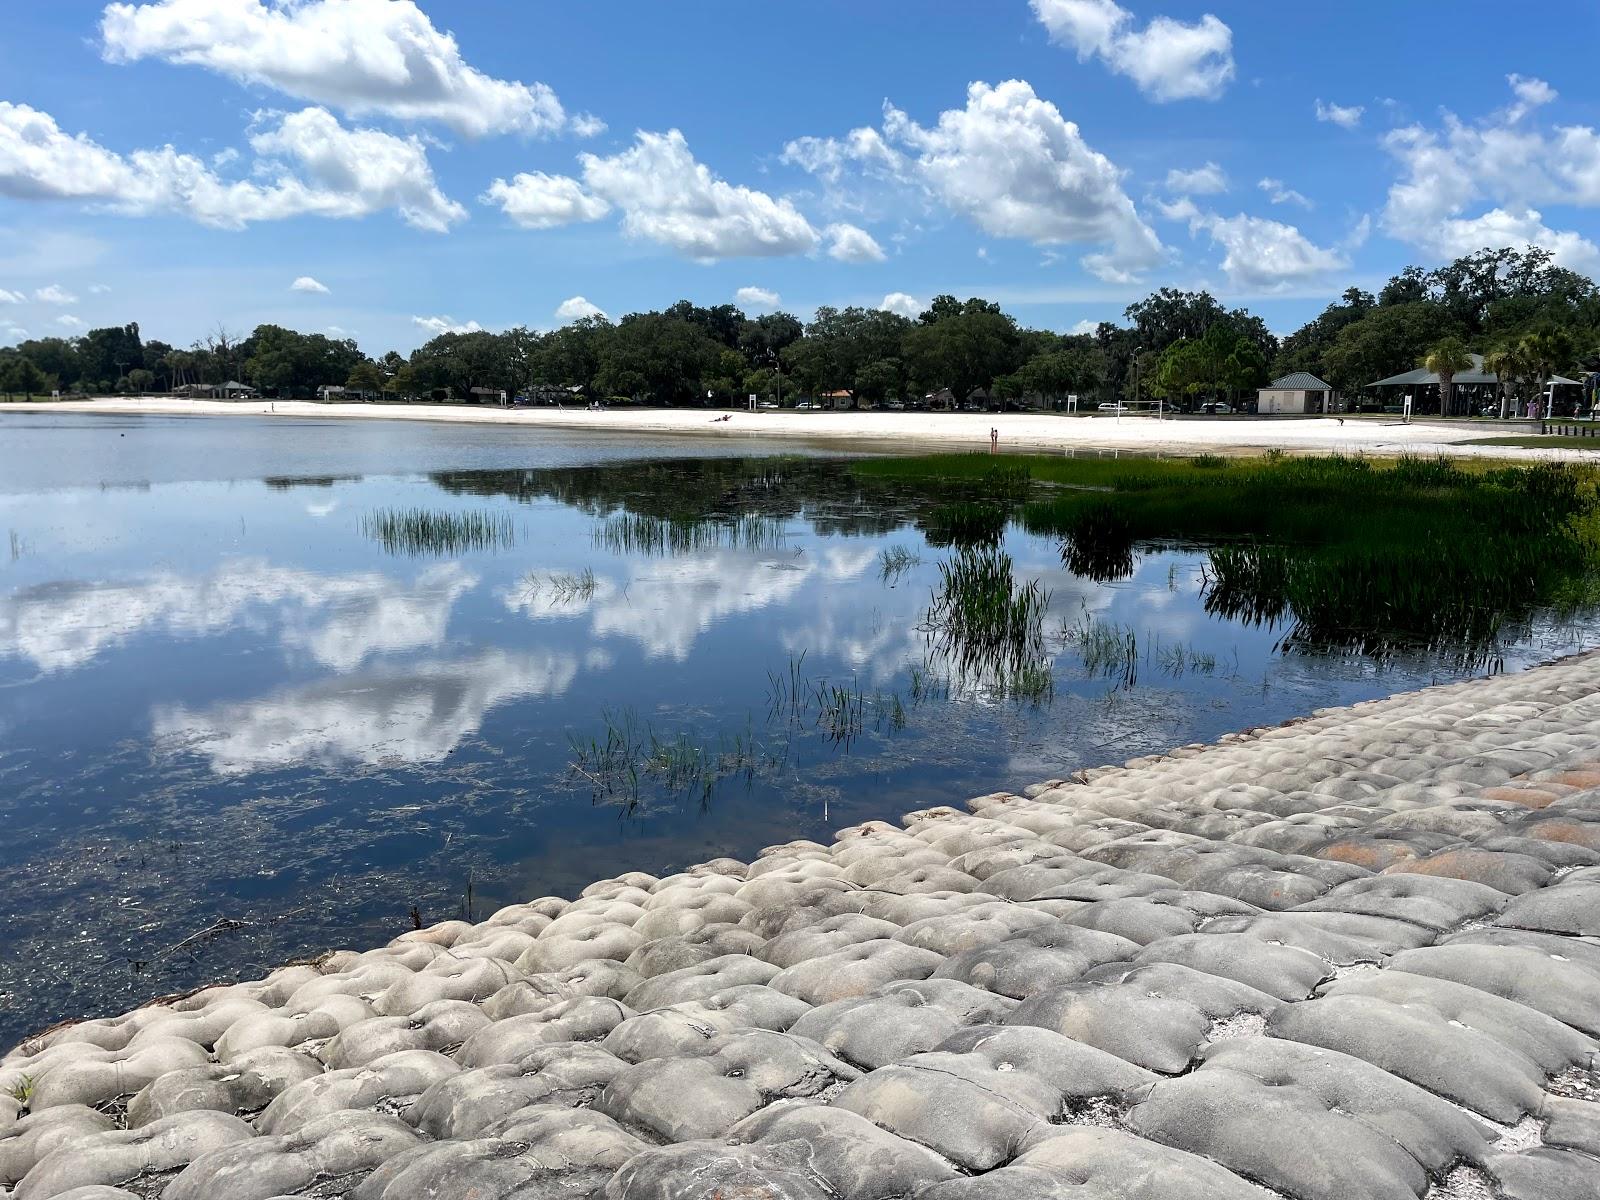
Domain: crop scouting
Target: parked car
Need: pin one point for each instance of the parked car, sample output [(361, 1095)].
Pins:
[(1216, 407), (1111, 406)]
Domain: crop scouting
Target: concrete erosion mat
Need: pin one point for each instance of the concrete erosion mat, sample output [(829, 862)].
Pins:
[(1354, 957)]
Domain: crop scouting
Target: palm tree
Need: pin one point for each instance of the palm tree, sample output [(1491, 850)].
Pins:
[(1547, 351), (1510, 364), (1447, 357)]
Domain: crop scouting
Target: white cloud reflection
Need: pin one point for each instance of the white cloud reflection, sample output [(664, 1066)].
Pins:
[(666, 604), (339, 620), (412, 714)]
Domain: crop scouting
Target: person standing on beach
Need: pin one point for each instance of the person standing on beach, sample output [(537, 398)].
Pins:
[(994, 439)]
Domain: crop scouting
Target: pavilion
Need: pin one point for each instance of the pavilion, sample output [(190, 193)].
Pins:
[(1471, 389)]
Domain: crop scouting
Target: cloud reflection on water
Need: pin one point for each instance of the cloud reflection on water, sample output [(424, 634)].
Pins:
[(417, 713), (339, 620)]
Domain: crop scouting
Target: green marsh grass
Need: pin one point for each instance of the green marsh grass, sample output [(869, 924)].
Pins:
[(1360, 554), (422, 531), (636, 533)]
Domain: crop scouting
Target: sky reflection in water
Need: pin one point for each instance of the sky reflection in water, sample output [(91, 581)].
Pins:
[(220, 698)]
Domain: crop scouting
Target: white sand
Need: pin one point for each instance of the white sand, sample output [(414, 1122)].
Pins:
[(880, 429)]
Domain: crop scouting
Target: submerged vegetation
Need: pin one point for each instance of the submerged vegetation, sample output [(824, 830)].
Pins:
[(422, 531), (632, 758)]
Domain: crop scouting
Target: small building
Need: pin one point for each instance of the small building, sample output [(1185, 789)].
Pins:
[(1299, 392), (232, 390), (486, 395)]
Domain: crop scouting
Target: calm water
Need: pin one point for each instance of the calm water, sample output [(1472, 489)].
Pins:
[(225, 698)]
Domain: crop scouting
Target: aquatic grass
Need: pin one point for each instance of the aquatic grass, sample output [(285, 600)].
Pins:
[(1106, 649), (633, 762), (653, 536), (895, 561), (1209, 462), (985, 625), (422, 531), (562, 587), (965, 523)]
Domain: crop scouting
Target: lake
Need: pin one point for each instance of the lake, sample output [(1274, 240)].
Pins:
[(269, 687)]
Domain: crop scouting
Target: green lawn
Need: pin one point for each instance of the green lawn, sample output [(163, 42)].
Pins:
[(1540, 441)]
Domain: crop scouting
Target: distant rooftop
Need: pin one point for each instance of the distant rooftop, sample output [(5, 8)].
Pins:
[(1300, 381)]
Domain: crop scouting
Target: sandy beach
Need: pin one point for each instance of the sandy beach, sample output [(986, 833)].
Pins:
[(879, 430)]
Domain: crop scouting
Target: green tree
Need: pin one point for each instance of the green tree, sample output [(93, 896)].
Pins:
[(1448, 357), (365, 377), (1388, 340), (21, 375), (963, 351), (879, 380)]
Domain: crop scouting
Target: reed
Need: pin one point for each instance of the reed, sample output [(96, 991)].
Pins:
[(422, 531), (895, 561), (653, 536)]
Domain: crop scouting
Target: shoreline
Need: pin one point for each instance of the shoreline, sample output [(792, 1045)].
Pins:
[(879, 430), (1098, 977)]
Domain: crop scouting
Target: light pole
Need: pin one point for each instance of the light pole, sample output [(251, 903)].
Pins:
[(1137, 350)]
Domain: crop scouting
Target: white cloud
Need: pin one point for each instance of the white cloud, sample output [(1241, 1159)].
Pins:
[(757, 297), (1208, 180), (11, 297), (586, 125), (1016, 168), (1280, 193), (360, 56), (666, 196), (1084, 327), (1181, 209), (438, 325), (575, 308), (851, 244), (306, 283), (68, 321), (54, 294), (1530, 94), (359, 171), (98, 289), (1167, 59), (1345, 116), (905, 305), (342, 173), (535, 200), (1266, 255), (1504, 162), (829, 158)]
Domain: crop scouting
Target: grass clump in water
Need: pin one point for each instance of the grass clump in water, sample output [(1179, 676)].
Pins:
[(423, 531), (895, 561), (966, 523), (653, 536), (562, 587), (986, 626)]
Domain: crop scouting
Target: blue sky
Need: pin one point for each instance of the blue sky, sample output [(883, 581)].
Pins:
[(503, 162)]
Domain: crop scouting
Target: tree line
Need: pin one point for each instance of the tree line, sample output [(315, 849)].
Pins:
[(1528, 315)]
